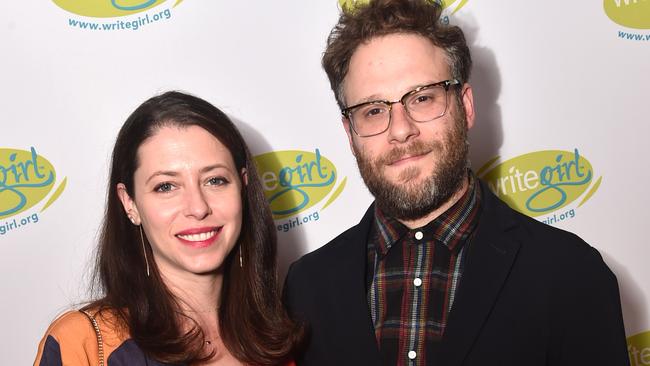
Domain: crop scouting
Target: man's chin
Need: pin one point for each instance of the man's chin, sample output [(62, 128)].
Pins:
[(409, 204), (414, 199)]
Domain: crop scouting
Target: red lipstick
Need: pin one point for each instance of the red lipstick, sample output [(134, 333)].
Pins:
[(199, 237)]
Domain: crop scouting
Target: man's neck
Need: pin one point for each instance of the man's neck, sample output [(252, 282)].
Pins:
[(412, 224)]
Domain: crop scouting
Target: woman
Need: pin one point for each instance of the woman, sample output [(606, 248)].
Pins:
[(187, 255)]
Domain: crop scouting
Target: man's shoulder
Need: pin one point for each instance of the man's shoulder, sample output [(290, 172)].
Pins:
[(546, 253), (532, 234), (553, 241), (557, 254)]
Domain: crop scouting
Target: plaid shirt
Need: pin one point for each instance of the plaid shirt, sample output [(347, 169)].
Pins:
[(413, 276)]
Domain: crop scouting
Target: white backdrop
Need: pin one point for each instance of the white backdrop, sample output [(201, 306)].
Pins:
[(546, 78)]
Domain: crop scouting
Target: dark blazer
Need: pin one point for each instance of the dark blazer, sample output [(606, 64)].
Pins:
[(530, 295)]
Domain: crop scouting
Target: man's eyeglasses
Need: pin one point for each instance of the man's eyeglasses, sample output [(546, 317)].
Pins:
[(422, 104)]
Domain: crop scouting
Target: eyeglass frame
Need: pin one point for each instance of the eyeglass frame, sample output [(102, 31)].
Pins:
[(445, 83)]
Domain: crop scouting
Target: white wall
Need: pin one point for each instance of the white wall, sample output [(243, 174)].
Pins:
[(545, 78)]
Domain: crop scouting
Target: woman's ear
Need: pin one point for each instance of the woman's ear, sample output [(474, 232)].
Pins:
[(244, 176), (128, 204)]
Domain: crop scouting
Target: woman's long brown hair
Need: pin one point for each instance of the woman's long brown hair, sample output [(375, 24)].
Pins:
[(252, 321)]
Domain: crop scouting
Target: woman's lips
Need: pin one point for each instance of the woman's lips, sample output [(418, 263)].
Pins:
[(199, 237)]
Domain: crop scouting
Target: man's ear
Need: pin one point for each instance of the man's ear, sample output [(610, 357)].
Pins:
[(128, 204), (467, 97)]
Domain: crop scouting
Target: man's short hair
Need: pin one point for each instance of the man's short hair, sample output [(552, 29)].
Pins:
[(359, 24)]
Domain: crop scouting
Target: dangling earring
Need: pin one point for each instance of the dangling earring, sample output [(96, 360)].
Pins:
[(241, 261), (144, 249)]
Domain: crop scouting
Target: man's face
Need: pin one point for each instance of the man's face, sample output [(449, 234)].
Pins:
[(414, 167)]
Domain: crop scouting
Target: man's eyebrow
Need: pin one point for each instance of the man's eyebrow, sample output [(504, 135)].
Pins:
[(371, 98), (378, 98)]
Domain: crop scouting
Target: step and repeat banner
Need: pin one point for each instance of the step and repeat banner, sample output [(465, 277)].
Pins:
[(561, 95)]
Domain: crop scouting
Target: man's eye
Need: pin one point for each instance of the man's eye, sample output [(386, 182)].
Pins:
[(374, 111), (164, 187), (423, 99)]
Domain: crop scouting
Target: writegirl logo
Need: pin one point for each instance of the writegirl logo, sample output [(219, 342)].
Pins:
[(108, 8), (26, 178), (638, 348), (457, 5), (629, 13), (294, 181), (350, 5), (123, 13), (542, 182)]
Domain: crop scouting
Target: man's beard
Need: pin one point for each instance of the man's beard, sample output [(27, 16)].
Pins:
[(406, 200)]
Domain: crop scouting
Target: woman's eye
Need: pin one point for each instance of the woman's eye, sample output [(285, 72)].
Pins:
[(164, 187), (217, 181)]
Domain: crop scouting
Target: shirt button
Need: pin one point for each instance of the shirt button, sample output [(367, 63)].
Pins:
[(419, 235), (412, 355), (417, 282)]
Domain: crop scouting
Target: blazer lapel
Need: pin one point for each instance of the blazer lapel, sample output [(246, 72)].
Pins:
[(490, 258)]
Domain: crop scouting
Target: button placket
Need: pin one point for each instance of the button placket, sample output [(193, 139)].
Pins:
[(417, 282), (412, 355)]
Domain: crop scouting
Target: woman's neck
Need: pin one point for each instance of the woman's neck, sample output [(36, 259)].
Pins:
[(199, 294)]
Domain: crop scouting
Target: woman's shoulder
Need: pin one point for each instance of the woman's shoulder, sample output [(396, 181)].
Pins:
[(72, 323), (79, 323), (73, 337)]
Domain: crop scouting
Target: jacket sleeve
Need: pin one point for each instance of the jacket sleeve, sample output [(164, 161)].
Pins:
[(588, 319)]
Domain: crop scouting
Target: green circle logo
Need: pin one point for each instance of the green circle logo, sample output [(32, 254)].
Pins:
[(629, 13), (26, 178), (541, 182), (108, 8), (350, 5), (296, 180), (638, 348)]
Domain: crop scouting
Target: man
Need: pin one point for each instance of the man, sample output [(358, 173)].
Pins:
[(438, 271)]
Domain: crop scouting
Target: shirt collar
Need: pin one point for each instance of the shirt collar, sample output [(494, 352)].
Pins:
[(451, 228)]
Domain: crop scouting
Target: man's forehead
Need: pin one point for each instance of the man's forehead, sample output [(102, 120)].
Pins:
[(388, 66)]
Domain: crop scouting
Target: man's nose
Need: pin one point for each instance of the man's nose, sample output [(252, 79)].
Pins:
[(402, 126)]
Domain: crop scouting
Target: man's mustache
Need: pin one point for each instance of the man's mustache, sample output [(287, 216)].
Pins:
[(416, 148)]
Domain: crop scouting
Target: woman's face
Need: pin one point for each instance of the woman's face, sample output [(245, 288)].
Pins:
[(187, 198)]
